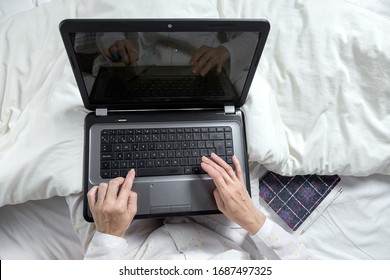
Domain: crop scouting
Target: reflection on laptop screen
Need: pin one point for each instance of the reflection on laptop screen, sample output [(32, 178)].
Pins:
[(120, 67)]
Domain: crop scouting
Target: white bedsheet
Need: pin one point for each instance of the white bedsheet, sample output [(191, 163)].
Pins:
[(355, 226), (38, 229), (319, 104)]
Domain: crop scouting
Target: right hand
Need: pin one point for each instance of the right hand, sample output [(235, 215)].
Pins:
[(113, 205), (122, 51), (231, 195)]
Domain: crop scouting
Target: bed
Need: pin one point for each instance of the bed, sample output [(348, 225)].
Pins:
[(320, 103)]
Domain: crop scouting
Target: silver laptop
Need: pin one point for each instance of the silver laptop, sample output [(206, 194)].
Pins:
[(163, 93)]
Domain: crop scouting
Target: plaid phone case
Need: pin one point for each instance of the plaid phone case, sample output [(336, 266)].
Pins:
[(295, 198)]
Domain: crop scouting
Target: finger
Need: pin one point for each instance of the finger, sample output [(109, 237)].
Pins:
[(206, 61), (102, 191), (113, 188), (127, 186), (107, 54), (198, 58), (210, 64), (121, 52), (91, 196), (132, 53), (113, 53), (229, 170), (199, 52), (219, 169), (132, 203), (219, 67), (215, 175), (237, 166)]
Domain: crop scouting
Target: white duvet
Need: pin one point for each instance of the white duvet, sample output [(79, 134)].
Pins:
[(320, 102)]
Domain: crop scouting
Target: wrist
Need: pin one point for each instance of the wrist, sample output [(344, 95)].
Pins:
[(114, 232), (256, 224)]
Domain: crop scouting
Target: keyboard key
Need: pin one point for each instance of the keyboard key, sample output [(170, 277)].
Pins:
[(219, 147), (229, 143), (107, 156), (228, 129), (198, 170), (188, 170), (115, 164), (161, 171), (106, 148), (112, 132), (104, 173), (105, 139), (117, 147), (229, 151), (105, 165), (216, 136), (113, 139)]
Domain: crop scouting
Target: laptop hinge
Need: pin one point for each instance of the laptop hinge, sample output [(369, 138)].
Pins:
[(230, 110), (101, 112)]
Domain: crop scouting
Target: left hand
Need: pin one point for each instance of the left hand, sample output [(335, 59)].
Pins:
[(206, 58), (113, 205)]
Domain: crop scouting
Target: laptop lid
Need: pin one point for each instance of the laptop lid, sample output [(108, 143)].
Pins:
[(130, 64)]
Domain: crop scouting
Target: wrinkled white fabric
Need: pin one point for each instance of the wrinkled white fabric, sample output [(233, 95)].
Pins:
[(319, 102)]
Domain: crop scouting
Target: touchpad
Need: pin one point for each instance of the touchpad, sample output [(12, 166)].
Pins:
[(169, 194)]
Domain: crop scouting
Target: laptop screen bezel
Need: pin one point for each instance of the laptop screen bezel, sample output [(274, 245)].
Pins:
[(71, 26)]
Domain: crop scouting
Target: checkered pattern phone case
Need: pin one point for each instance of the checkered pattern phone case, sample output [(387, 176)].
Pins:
[(295, 198)]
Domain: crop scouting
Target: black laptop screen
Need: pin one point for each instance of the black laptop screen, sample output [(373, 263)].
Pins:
[(164, 67)]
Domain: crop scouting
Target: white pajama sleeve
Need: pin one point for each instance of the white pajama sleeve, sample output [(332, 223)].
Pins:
[(285, 245), (106, 247)]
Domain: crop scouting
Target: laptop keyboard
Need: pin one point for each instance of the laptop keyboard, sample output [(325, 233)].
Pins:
[(162, 151)]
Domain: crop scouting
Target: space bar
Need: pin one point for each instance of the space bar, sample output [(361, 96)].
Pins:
[(142, 172)]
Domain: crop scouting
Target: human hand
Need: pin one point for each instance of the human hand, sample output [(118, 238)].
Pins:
[(231, 196), (122, 51), (206, 58), (113, 205)]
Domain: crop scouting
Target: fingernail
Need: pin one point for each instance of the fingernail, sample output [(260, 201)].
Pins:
[(132, 171)]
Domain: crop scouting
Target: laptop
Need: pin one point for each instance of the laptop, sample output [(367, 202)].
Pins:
[(163, 93)]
